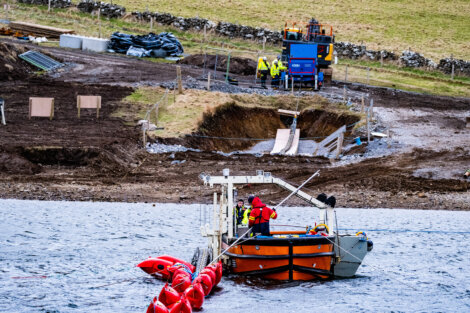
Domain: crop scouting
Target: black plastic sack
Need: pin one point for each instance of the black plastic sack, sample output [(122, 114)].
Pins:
[(165, 44)]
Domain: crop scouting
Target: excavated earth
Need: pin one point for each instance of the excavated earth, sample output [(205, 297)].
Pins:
[(102, 159)]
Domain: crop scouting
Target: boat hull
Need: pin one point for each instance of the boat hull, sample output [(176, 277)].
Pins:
[(287, 258)]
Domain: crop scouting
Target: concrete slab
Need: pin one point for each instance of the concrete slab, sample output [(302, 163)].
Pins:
[(282, 137), (295, 144), (95, 44), (71, 41)]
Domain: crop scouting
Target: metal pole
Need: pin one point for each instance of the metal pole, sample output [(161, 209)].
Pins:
[(368, 127), (316, 81), (292, 80), (180, 83), (228, 67)]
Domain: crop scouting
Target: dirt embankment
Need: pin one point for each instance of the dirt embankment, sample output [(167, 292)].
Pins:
[(242, 123), (239, 66), (12, 67)]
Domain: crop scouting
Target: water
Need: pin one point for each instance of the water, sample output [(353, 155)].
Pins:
[(53, 255)]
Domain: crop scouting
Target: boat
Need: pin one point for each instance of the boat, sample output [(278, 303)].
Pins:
[(311, 253)]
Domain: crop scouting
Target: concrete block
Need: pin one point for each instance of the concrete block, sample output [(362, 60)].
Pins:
[(95, 44), (70, 41)]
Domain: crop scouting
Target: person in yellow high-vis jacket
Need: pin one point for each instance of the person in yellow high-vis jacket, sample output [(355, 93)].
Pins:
[(263, 69), (275, 74)]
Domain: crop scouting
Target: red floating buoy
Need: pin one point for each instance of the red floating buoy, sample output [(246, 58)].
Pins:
[(217, 268), (205, 282), (176, 260), (195, 295), (157, 307), (168, 295), (209, 271), (182, 306), (181, 282), (157, 267)]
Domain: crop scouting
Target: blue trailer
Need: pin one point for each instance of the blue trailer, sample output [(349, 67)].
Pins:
[(302, 66)]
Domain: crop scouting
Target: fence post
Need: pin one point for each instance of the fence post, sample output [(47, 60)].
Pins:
[(368, 126), (346, 73), (151, 23), (99, 22), (362, 104), (381, 59), (452, 62), (388, 138), (49, 6), (339, 145), (180, 83), (344, 93), (144, 137), (228, 67), (368, 75), (209, 81), (205, 31), (264, 43), (371, 108)]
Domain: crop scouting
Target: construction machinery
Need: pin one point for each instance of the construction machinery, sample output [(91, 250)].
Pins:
[(307, 50)]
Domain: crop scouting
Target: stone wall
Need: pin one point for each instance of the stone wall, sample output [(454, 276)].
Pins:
[(106, 9), (351, 51), (54, 3), (461, 67)]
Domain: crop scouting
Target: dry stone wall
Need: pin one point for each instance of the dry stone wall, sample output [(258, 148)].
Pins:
[(106, 9), (54, 3)]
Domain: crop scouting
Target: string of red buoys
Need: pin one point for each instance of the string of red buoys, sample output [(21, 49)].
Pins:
[(188, 287)]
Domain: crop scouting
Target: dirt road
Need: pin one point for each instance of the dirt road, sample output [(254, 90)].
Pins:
[(101, 160)]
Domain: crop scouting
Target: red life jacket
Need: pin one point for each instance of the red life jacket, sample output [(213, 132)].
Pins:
[(260, 213)]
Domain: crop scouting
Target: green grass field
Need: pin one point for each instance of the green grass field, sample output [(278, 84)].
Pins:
[(435, 28)]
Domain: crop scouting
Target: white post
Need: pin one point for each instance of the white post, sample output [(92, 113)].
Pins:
[(316, 81), (368, 126), (151, 23), (205, 27), (49, 6), (362, 104), (264, 43), (2, 109), (230, 209), (368, 75), (209, 81), (292, 78), (287, 82)]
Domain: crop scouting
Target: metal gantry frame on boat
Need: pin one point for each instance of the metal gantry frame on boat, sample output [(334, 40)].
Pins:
[(223, 216)]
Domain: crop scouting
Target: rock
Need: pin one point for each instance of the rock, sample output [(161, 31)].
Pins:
[(421, 195), (461, 67), (413, 59)]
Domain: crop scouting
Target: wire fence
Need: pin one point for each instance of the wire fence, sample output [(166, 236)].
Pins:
[(152, 112)]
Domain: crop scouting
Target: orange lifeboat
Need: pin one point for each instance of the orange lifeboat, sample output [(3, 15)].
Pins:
[(284, 256)]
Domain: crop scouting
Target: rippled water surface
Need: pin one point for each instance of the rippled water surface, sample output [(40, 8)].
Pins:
[(54, 256)]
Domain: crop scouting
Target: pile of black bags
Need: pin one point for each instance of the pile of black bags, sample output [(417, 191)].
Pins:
[(151, 45)]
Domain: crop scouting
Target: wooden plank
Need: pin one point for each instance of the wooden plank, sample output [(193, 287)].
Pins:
[(288, 112)]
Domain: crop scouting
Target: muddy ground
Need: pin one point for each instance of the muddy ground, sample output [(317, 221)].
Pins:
[(102, 159)]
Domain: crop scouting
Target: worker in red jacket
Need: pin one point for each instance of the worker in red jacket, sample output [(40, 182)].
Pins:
[(259, 217)]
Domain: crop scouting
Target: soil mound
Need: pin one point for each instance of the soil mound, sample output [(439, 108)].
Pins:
[(240, 66), (11, 66), (236, 125)]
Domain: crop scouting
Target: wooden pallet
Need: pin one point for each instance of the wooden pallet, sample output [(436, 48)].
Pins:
[(39, 30)]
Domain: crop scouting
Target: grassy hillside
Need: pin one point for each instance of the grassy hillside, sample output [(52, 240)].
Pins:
[(435, 28)]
